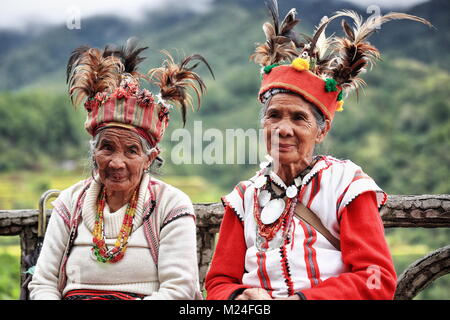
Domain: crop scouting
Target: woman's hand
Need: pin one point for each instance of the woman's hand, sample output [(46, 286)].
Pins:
[(254, 294)]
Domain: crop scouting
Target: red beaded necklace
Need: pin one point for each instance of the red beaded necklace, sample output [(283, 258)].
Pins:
[(269, 231), (100, 249)]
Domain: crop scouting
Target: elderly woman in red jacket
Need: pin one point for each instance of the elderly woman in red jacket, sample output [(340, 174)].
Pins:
[(305, 226)]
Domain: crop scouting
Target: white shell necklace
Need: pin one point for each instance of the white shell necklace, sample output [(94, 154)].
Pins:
[(272, 203)]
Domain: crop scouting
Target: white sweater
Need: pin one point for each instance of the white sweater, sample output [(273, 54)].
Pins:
[(175, 277)]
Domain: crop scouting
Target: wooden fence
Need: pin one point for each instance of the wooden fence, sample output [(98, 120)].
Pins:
[(426, 211)]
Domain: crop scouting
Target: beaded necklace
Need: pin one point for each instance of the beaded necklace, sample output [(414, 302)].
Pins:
[(100, 249), (267, 231)]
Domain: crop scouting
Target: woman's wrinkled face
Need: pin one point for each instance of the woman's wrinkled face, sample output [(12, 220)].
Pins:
[(291, 130), (120, 159)]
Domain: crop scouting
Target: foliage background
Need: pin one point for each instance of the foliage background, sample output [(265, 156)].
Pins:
[(398, 128)]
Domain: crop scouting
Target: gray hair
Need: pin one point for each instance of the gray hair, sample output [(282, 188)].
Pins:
[(146, 147), (318, 115)]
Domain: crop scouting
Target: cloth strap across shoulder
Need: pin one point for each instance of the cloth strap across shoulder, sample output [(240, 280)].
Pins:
[(304, 213)]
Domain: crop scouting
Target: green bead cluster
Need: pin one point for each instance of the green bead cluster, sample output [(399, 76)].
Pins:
[(269, 68), (330, 85), (97, 254)]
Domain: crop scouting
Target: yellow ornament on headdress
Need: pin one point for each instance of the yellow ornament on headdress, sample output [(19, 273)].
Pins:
[(300, 64), (340, 106)]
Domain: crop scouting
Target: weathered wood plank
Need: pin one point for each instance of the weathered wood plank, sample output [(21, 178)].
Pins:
[(420, 274), (429, 211)]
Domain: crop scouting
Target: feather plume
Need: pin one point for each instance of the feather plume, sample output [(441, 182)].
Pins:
[(129, 56), (318, 47), (174, 80), (74, 59), (364, 30), (353, 53), (281, 42), (320, 42), (91, 72), (316, 50)]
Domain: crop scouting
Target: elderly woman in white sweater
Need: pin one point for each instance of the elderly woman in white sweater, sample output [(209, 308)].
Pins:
[(121, 234)]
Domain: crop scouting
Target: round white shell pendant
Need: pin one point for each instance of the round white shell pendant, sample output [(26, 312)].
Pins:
[(264, 198), (272, 211), (260, 181), (291, 191), (264, 164)]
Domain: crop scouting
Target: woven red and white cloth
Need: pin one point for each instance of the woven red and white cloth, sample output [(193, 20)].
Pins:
[(101, 295), (346, 200), (135, 111)]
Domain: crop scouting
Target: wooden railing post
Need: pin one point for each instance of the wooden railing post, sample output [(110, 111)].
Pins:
[(28, 243)]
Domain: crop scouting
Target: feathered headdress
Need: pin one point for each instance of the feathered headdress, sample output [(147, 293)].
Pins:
[(129, 56), (321, 69), (173, 79), (108, 83), (281, 41), (89, 72), (353, 52)]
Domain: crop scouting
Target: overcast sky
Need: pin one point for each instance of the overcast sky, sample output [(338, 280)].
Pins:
[(18, 14)]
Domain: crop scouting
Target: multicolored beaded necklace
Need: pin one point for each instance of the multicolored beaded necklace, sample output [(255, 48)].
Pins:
[(100, 249)]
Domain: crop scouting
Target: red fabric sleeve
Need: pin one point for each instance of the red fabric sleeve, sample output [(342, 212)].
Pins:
[(227, 266), (365, 252)]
